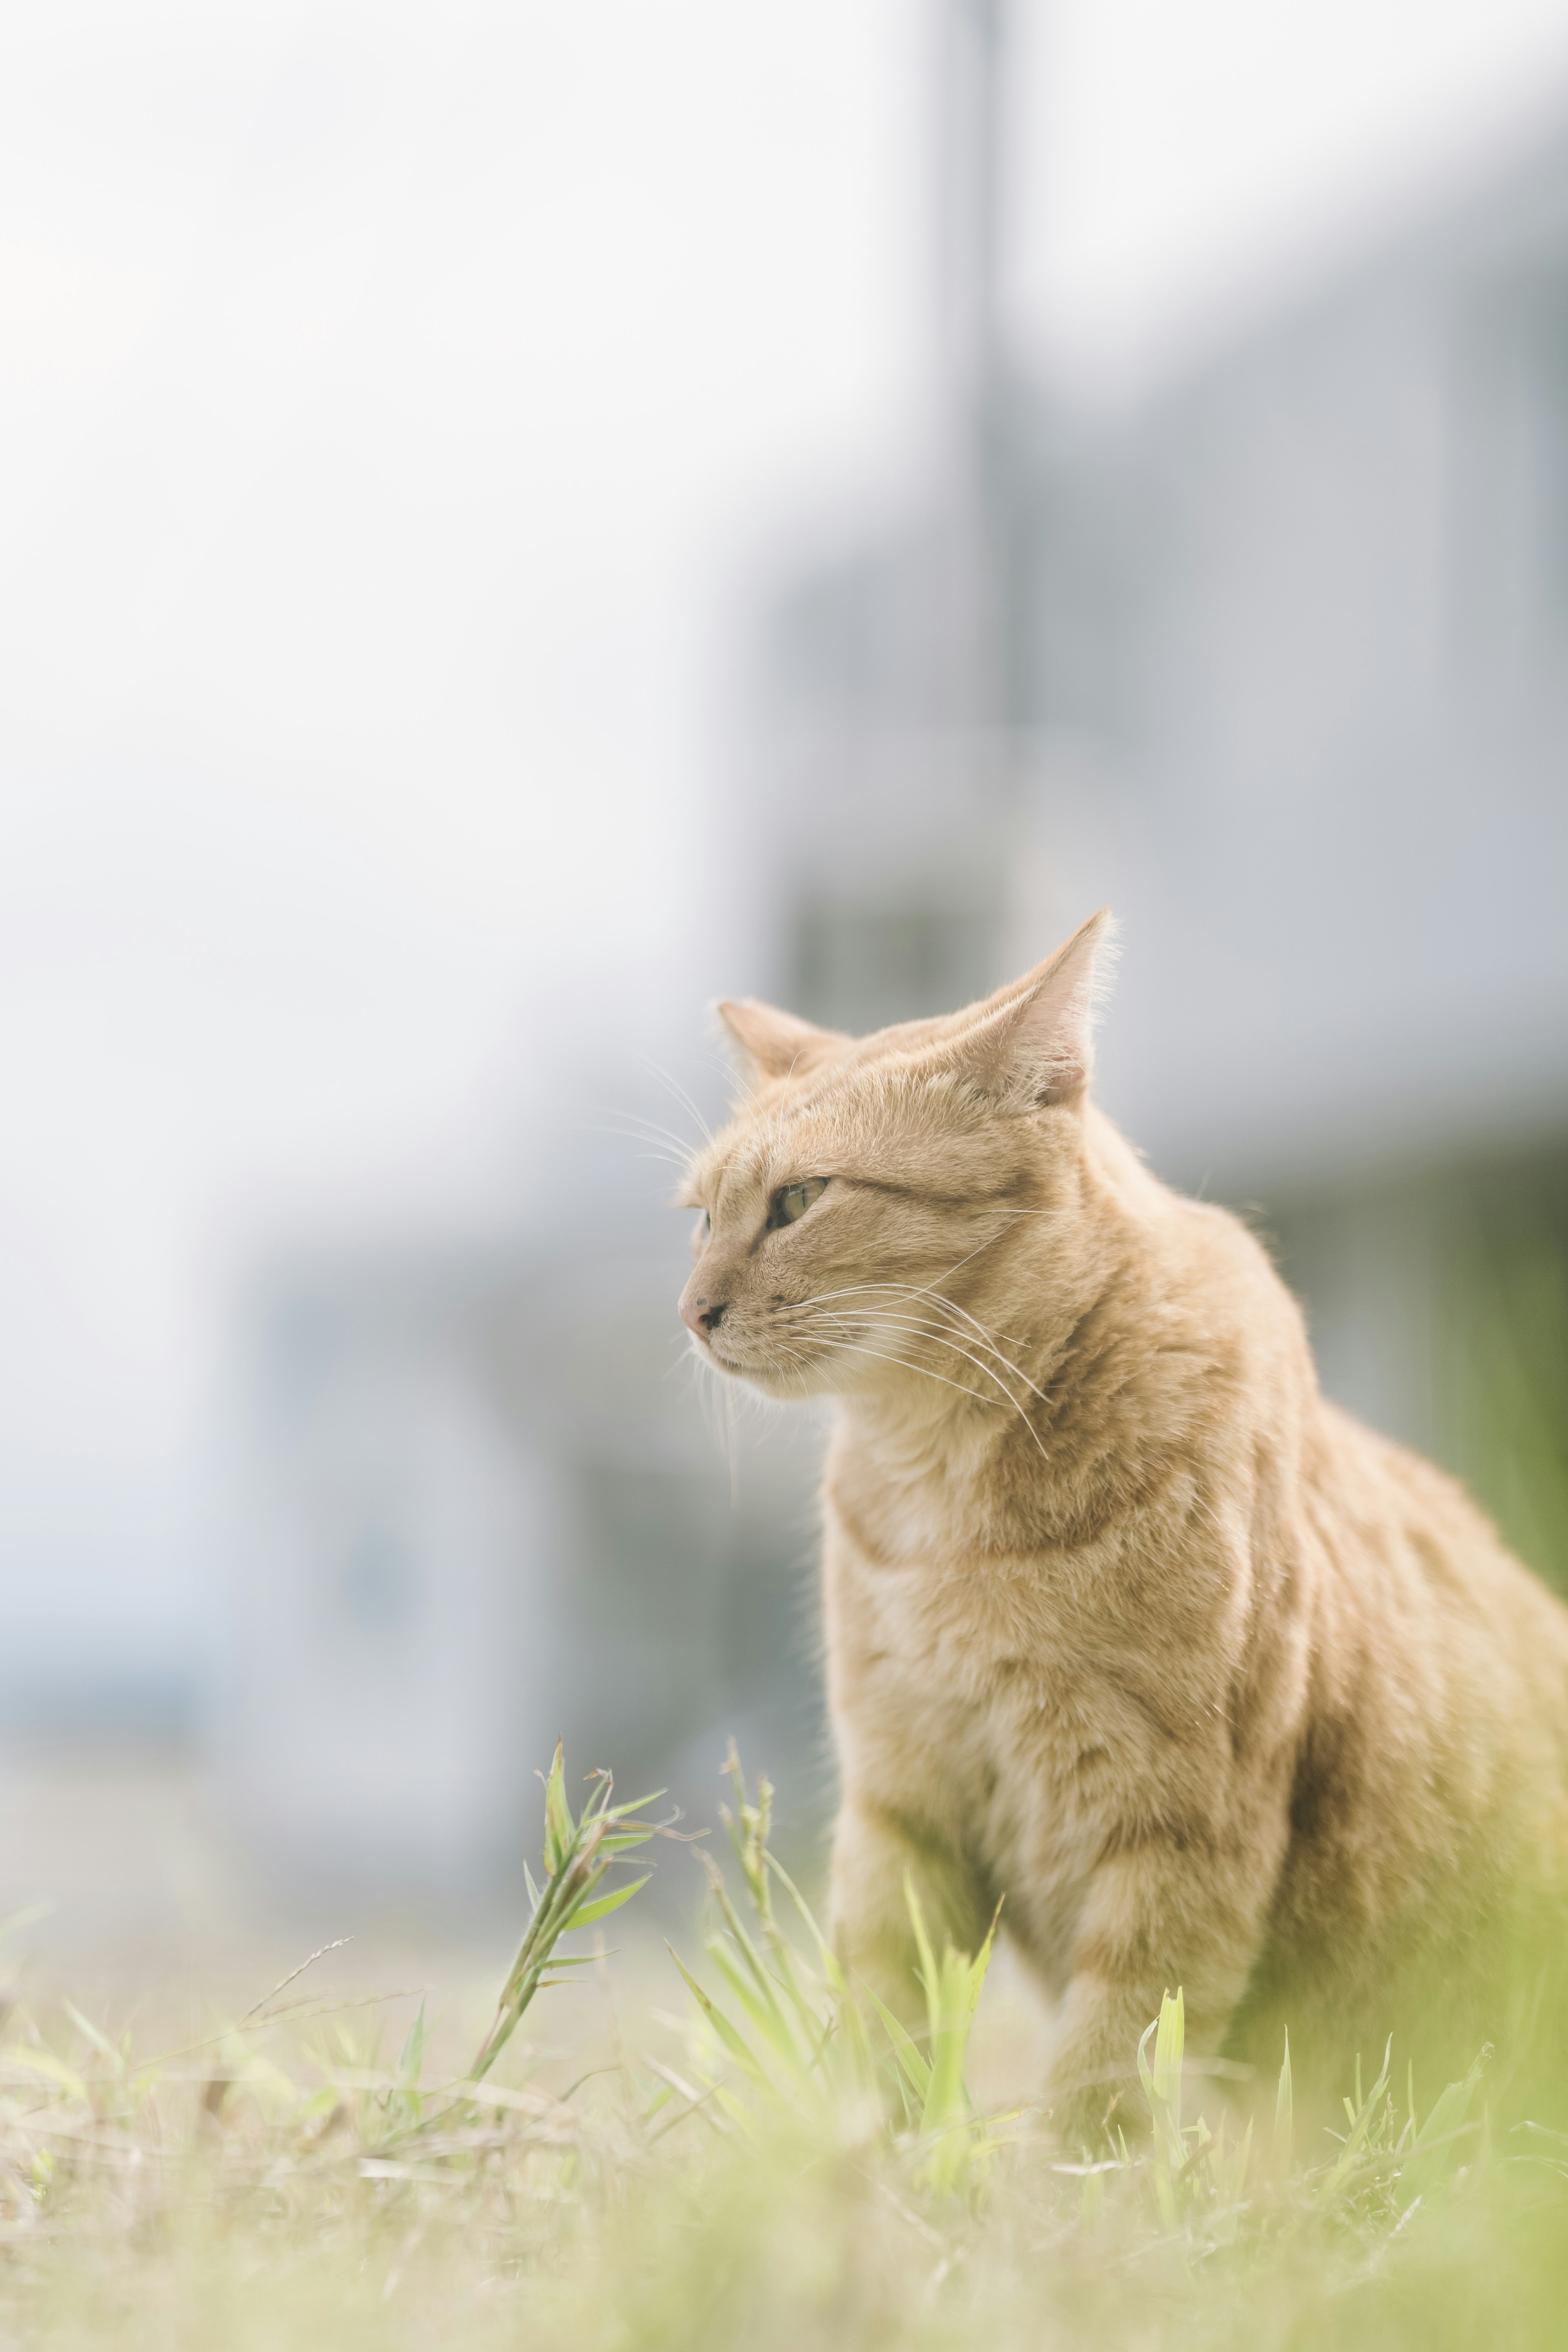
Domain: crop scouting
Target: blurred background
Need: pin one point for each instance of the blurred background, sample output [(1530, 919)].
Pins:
[(519, 521)]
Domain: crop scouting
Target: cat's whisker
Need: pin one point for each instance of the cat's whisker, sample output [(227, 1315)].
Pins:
[(678, 1092), (734, 1077), (633, 1129), (676, 1156), (937, 1297), (943, 1335), (733, 1449), (633, 1122), (990, 1240), (908, 1363), (942, 1339), (796, 1358), (916, 1290), (904, 1364), (710, 1386)]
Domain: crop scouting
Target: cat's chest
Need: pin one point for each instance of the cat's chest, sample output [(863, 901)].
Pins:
[(977, 1660), (924, 1606)]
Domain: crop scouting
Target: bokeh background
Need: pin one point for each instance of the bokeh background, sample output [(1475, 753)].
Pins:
[(518, 520)]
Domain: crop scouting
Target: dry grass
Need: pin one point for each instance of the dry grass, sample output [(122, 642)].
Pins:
[(781, 2171)]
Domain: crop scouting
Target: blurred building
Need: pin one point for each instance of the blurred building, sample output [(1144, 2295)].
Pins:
[(1279, 669), (1277, 665)]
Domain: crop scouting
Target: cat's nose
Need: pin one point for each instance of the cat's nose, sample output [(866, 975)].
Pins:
[(700, 1317)]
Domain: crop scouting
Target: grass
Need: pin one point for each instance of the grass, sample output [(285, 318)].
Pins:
[(787, 2167)]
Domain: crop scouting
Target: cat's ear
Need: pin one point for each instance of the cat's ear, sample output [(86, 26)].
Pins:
[(775, 1045), (1033, 1042)]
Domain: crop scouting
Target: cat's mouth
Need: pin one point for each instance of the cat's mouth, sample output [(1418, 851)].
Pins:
[(792, 1373)]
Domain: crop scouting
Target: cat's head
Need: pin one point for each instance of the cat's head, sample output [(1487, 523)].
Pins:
[(853, 1211)]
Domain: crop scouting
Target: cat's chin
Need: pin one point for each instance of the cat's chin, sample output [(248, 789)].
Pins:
[(782, 1380)]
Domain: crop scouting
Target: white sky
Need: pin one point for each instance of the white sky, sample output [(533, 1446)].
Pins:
[(390, 399)]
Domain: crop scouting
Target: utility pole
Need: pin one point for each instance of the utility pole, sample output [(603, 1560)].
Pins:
[(972, 358)]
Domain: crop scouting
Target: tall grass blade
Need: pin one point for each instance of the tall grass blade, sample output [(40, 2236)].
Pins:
[(1284, 2117)]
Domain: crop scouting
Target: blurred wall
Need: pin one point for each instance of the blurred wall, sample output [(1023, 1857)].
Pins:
[(1284, 679), (366, 635), (1277, 664)]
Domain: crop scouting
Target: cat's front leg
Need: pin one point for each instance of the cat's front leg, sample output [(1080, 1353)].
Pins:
[(878, 1854), (1155, 1919)]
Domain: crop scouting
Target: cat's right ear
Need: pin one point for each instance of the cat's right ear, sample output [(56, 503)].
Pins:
[(768, 1043)]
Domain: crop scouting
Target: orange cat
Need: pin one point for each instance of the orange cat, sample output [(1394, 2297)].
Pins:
[(1126, 1623)]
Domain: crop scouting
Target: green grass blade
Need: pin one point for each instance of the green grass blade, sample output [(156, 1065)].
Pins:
[(1284, 2116), (734, 2042), (586, 1913), (913, 2067)]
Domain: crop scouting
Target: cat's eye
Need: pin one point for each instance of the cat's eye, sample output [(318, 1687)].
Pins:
[(707, 1224), (793, 1200)]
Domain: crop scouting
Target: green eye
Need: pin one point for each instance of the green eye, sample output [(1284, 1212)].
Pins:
[(794, 1200), (707, 1224)]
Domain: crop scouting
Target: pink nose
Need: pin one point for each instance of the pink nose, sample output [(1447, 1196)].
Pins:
[(699, 1315)]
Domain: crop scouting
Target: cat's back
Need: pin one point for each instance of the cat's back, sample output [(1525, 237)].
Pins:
[(1414, 1569)]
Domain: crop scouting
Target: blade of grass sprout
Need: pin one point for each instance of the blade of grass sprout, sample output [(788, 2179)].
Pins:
[(586, 1914), (1284, 2116), (944, 2097), (675, 2082), (634, 1805), (576, 1864), (1170, 2041), (776, 2026), (911, 2065), (734, 2110), (43, 2062), (749, 1829), (927, 1971), (294, 1974), (734, 2042), (1234, 2187), (406, 2109), (803, 1907), (764, 2015), (99, 2040), (1359, 2124), (948, 2109), (1452, 2107), (952, 1992), (559, 1826), (1169, 2155), (785, 1972), (855, 2039), (1437, 2142), (412, 2060)]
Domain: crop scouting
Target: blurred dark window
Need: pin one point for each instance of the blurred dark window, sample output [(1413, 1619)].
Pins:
[(860, 966)]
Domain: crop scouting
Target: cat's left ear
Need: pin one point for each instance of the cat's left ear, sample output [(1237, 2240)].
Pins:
[(769, 1043), (1033, 1043)]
